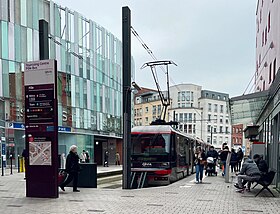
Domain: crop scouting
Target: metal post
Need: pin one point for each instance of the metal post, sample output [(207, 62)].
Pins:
[(43, 39), (2, 164), (211, 129), (18, 164), (11, 160), (126, 43), (227, 167)]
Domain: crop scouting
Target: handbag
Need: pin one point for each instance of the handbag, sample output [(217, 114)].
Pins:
[(62, 175)]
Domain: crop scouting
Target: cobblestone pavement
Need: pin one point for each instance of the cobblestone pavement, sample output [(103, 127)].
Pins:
[(184, 196)]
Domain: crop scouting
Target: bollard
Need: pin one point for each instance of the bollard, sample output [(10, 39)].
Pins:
[(11, 160), (2, 164), (18, 164), (227, 167)]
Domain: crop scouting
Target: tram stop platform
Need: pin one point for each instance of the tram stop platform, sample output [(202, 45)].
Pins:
[(213, 195)]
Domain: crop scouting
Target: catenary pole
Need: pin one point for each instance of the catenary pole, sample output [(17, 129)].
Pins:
[(126, 46)]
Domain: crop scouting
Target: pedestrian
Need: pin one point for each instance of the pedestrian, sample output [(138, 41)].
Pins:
[(72, 168), (87, 157), (106, 157), (249, 172), (223, 158), (117, 158), (83, 156), (240, 156), (262, 164), (233, 160), (199, 161)]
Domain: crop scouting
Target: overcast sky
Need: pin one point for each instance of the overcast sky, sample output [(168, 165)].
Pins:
[(211, 41)]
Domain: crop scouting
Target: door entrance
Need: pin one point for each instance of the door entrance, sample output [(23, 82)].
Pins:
[(98, 153)]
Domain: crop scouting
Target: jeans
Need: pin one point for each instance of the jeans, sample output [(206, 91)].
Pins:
[(199, 172), (242, 178), (224, 164)]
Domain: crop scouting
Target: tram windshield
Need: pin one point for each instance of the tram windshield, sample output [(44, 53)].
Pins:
[(150, 144)]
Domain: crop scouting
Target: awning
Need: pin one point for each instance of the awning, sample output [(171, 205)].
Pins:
[(246, 109)]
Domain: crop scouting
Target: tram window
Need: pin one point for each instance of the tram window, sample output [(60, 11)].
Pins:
[(151, 143)]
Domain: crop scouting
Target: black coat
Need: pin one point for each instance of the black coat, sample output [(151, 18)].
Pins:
[(223, 155), (262, 165), (240, 155), (72, 163)]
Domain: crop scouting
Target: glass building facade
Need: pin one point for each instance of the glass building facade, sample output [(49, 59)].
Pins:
[(89, 60)]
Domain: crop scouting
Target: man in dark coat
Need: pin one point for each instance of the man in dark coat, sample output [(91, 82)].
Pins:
[(223, 158), (72, 168), (240, 156), (262, 164)]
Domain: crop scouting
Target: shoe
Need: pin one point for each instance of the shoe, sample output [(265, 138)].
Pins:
[(196, 182), (240, 190), (200, 181), (238, 187), (76, 190), (62, 188)]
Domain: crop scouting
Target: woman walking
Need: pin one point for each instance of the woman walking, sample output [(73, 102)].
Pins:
[(199, 160), (72, 168)]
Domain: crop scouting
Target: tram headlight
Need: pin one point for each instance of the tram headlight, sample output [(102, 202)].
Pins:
[(165, 164), (146, 164)]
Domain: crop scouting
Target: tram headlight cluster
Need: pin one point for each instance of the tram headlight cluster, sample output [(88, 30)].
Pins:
[(165, 164)]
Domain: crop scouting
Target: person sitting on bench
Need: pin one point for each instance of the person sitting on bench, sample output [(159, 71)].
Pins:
[(249, 172), (262, 164)]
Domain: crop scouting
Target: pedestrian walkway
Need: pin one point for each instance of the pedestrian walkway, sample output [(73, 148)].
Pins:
[(184, 196)]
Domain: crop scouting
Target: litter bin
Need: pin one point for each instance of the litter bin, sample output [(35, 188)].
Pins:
[(87, 176)]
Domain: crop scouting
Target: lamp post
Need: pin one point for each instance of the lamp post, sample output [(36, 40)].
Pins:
[(211, 132)]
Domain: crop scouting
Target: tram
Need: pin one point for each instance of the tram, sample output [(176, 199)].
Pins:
[(161, 154)]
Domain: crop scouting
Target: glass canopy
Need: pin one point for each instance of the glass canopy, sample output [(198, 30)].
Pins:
[(246, 109)]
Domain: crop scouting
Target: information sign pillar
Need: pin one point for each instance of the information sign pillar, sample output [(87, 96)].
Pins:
[(40, 80)]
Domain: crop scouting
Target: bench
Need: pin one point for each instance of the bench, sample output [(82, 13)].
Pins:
[(265, 181)]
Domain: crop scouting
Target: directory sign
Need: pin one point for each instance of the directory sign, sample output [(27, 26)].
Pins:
[(41, 128)]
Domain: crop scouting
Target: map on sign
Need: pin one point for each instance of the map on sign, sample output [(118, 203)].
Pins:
[(40, 153)]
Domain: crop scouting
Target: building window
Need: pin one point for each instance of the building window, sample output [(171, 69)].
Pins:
[(209, 107), (183, 96), (209, 128), (263, 85), (221, 119), (154, 110), (268, 21), (159, 109), (269, 75), (146, 120), (209, 117), (190, 129), (181, 117), (221, 129), (193, 129), (274, 68), (185, 117), (227, 130), (190, 117), (194, 117), (179, 96), (221, 108), (215, 129), (216, 108)]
